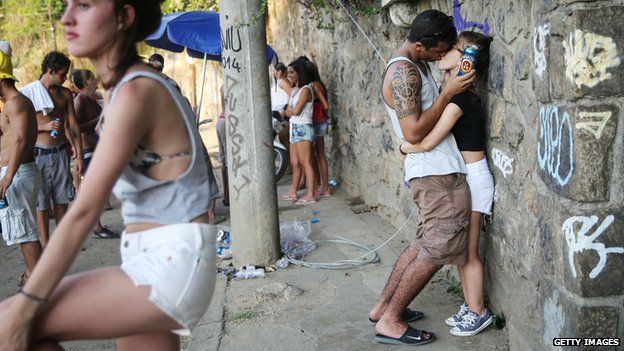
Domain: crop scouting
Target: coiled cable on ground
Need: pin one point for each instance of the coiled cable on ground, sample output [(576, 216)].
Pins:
[(341, 264)]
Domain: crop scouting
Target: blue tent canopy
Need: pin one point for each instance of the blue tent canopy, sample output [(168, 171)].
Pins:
[(197, 31)]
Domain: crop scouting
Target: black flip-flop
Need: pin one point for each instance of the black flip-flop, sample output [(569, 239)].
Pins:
[(411, 337), (407, 316)]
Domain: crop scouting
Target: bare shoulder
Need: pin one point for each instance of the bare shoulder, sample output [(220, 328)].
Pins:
[(18, 105)]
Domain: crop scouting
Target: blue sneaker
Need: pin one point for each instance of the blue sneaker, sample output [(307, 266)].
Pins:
[(457, 317), (472, 324)]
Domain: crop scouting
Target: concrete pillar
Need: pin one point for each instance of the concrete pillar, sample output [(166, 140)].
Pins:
[(251, 167)]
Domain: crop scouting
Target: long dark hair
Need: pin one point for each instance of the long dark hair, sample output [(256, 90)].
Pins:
[(302, 72), (146, 21), (80, 77), (314, 75)]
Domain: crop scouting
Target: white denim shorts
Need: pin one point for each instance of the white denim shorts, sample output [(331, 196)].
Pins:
[(481, 186), (178, 262)]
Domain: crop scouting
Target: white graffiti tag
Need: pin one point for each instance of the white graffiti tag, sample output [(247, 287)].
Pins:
[(593, 122), (539, 48), (588, 56), (580, 241), (502, 162), (555, 140)]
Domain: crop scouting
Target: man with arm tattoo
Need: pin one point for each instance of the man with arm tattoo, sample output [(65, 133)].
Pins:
[(437, 177)]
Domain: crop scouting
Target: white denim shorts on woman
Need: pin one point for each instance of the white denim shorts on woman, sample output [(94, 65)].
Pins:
[(481, 186), (178, 262)]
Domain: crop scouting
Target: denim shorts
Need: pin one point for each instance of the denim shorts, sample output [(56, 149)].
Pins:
[(178, 262), (301, 132), (320, 129)]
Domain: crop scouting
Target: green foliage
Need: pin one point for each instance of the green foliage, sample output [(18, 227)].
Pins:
[(452, 285), (170, 6)]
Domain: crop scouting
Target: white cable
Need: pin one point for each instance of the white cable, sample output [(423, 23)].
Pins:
[(361, 30), (341, 264)]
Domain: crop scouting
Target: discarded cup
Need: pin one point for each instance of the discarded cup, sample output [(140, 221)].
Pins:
[(314, 220), (315, 212), (334, 183), (250, 272), (282, 262)]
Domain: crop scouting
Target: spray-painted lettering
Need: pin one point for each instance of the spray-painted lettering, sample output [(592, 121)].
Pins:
[(540, 35), (462, 23), (581, 241), (503, 162), (555, 147), (593, 122), (231, 39), (588, 56)]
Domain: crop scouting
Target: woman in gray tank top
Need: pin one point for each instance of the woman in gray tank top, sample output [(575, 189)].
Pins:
[(150, 151)]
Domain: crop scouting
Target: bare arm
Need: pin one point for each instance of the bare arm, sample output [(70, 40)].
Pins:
[(406, 86), (125, 127), (285, 85), (305, 98), (321, 96), (18, 114), (449, 117)]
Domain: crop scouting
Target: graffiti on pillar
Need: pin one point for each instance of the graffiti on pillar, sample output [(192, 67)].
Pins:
[(235, 137), (496, 193), (555, 146), (581, 240), (539, 48), (462, 23), (588, 56), (503, 162), (593, 122), (231, 41)]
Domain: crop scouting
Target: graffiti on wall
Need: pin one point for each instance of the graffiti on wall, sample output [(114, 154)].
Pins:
[(593, 122), (503, 162), (555, 146), (581, 240), (588, 56), (462, 23), (539, 48)]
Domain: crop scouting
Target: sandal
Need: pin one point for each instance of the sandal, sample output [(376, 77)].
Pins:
[(287, 197), (319, 193), (407, 316), (412, 336)]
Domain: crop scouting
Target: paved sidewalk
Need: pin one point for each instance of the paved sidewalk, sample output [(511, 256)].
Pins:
[(331, 314)]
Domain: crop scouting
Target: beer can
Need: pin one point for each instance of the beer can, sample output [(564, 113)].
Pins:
[(55, 133), (468, 60)]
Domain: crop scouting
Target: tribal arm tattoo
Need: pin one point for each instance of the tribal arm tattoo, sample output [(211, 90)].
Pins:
[(406, 85)]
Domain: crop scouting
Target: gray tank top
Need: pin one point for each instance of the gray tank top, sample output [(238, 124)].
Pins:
[(146, 200), (445, 158)]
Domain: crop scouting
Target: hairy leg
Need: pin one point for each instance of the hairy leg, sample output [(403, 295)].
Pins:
[(407, 256), (304, 154), (321, 161), (31, 251), (472, 273), (43, 221), (158, 341), (414, 279), (59, 212)]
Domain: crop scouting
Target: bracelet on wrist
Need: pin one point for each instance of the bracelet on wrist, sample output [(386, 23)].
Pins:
[(33, 297)]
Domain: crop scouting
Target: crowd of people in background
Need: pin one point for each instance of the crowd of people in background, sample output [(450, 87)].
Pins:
[(300, 97)]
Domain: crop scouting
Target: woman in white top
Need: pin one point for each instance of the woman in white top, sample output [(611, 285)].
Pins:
[(280, 95), (148, 144), (301, 132)]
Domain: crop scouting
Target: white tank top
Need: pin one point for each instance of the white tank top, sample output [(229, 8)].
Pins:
[(279, 97), (445, 158), (305, 116)]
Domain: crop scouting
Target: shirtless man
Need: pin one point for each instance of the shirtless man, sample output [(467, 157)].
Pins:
[(19, 178), (51, 151)]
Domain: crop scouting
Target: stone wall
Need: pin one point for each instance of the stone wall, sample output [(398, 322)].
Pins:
[(555, 247)]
